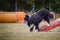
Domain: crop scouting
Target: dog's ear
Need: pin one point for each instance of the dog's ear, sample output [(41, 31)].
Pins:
[(26, 17)]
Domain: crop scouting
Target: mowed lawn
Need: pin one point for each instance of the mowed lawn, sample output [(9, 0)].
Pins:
[(20, 31)]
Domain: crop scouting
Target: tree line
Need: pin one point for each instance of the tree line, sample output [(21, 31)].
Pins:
[(29, 5)]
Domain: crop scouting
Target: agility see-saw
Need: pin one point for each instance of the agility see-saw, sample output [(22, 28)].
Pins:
[(54, 24)]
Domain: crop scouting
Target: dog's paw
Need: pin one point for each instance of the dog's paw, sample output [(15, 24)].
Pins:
[(48, 25)]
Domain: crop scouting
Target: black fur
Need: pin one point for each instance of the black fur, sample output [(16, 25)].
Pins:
[(37, 18)]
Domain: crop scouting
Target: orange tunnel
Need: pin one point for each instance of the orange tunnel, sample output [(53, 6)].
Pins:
[(11, 17)]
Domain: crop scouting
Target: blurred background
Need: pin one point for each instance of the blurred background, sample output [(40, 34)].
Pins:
[(9, 8), (29, 5)]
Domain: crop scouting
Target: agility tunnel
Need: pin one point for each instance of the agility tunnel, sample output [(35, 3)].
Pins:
[(11, 17), (54, 24)]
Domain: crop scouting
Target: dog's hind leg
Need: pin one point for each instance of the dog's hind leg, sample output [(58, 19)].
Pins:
[(48, 21)]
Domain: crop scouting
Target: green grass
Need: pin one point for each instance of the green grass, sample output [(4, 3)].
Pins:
[(17, 31)]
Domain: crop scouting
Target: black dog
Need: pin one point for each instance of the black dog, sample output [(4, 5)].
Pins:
[(35, 19)]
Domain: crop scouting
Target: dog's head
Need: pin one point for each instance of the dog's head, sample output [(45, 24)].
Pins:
[(26, 17)]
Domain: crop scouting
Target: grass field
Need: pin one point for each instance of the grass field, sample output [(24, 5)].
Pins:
[(20, 31)]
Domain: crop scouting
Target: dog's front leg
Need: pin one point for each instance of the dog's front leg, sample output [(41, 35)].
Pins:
[(31, 27)]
